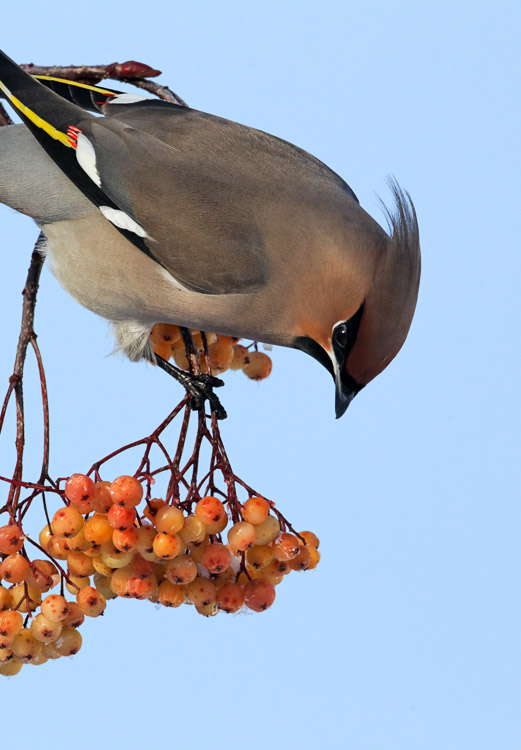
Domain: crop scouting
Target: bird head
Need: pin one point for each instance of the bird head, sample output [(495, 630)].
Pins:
[(359, 345)]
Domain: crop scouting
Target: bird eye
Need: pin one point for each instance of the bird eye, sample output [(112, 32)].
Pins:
[(340, 336)]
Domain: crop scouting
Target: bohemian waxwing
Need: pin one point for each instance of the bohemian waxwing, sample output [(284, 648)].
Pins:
[(158, 213)]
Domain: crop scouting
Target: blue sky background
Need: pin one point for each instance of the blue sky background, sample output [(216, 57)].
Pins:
[(407, 635)]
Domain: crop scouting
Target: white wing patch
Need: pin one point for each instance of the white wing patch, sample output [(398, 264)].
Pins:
[(86, 157), (128, 99), (122, 220)]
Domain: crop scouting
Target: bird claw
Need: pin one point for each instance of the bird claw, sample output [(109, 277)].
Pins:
[(200, 388)]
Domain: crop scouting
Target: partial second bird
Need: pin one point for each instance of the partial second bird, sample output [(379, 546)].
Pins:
[(156, 212)]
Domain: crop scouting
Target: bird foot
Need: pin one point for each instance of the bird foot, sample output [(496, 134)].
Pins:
[(199, 387)]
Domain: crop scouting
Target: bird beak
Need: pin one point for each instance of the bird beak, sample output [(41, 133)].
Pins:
[(343, 396)]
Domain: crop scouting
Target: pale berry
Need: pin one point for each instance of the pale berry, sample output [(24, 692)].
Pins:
[(45, 630), (268, 530), (169, 519), (242, 535), (69, 642)]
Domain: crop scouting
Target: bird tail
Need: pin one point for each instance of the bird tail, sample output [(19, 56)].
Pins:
[(46, 114), (84, 95)]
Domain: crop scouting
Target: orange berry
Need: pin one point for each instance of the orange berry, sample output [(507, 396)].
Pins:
[(5, 598), (101, 498), (268, 530), (165, 333), (302, 560), (120, 581), (126, 491), (309, 538), (43, 575), (258, 367), (216, 558), (167, 546), (79, 490), (10, 623), (57, 547), (152, 506), (210, 510), (286, 547), (101, 567), (242, 535), (78, 543), (125, 540), (67, 522), (171, 595), (180, 358), (14, 568), (230, 597), (142, 588), (169, 519), (201, 592), (240, 357), (162, 349), (98, 529), (121, 518), (196, 551), (259, 595), (315, 557), (140, 567), (232, 340), (259, 556), (277, 568), (255, 510), (11, 539), (90, 601), (75, 617), (181, 570), (55, 607), (221, 355), (79, 564), (45, 536)]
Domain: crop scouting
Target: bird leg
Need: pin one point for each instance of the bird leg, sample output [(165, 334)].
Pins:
[(200, 387)]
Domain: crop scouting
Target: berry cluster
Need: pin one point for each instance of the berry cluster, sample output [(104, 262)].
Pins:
[(114, 544), (224, 352)]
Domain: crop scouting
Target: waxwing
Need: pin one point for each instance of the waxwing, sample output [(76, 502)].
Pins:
[(156, 212)]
